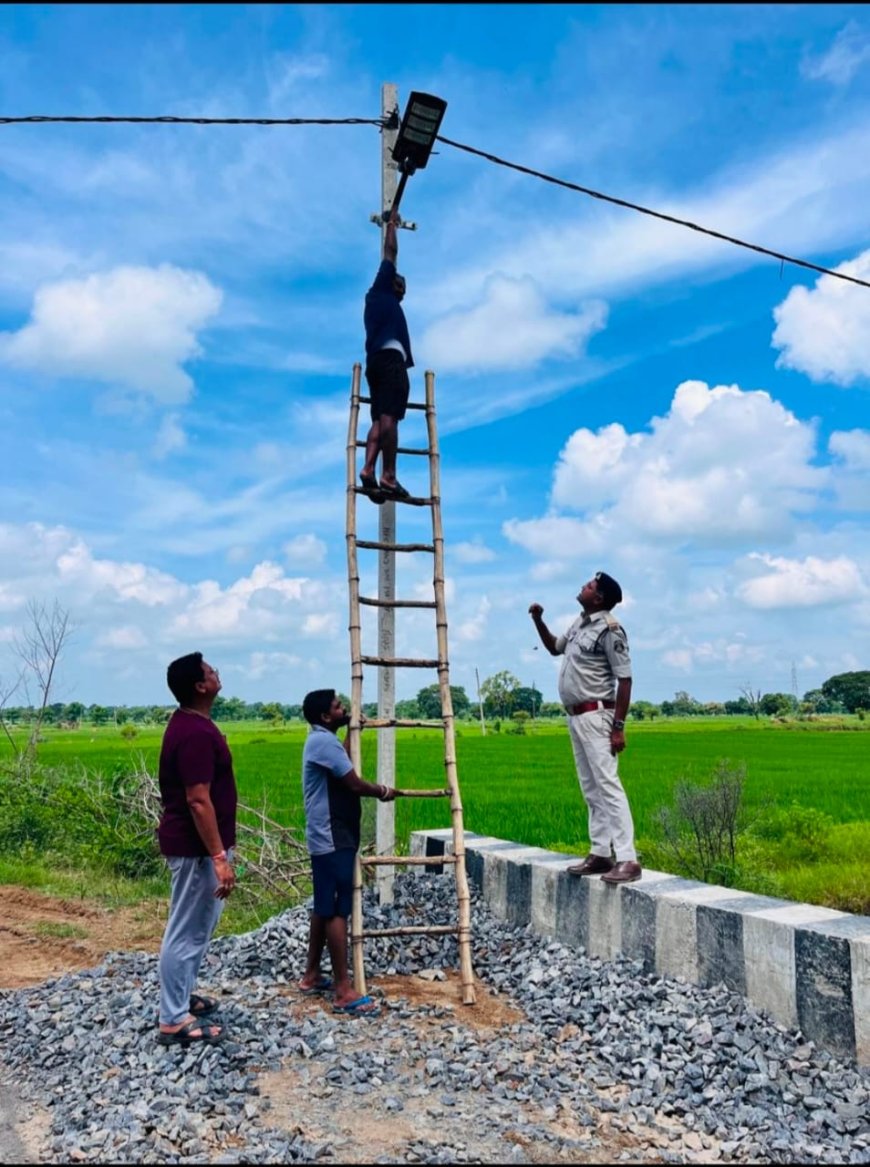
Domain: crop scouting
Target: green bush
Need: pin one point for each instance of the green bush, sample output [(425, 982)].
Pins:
[(800, 830)]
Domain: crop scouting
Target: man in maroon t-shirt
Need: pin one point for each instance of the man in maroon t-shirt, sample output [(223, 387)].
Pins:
[(197, 833)]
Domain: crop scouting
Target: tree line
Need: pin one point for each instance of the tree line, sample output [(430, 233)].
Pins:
[(501, 696)]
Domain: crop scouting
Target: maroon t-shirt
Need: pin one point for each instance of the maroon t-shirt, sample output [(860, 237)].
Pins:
[(194, 751)]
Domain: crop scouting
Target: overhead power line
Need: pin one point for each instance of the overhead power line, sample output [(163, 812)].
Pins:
[(494, 158), (597, 194), (183, 121)]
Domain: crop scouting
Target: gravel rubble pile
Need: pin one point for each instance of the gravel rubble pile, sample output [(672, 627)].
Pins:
[(685, 1074)]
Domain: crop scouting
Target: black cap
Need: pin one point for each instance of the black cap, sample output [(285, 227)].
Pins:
[(608, 589)]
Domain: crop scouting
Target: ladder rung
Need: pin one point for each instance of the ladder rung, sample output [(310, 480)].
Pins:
[(400, 450), (397, 603), (423, 793), (375, 546), (394, 662), (398, 723), (411, 501), (410, 405), (406, 860), (431, 929)]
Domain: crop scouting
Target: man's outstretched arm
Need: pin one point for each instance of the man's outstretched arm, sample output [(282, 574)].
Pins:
[(391, 242)]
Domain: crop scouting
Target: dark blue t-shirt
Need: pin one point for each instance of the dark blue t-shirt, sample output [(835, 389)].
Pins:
[(383, 316)]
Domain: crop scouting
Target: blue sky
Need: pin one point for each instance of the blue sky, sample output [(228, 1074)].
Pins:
[(181, 308)]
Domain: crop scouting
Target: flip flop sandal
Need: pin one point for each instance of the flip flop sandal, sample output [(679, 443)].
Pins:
[(396, 491), (371, 489), (324, 985), (361, 1007), (202, 1006), (187, 1035)]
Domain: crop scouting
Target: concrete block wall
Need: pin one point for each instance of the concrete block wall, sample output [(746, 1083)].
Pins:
[(805, 966)]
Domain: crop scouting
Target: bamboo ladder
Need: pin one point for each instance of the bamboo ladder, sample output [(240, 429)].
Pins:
[(436, 548)]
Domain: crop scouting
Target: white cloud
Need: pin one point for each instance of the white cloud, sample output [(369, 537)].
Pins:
[(850, 50), (131, 327), (852, 446), (724, 463), (126, 636), (825, 331), (473, 552), (89, 577), (252, 606), (510, 327), (475, 628), (305, 551), (811, 582), (170, 437), (320, 624), (272, 666)]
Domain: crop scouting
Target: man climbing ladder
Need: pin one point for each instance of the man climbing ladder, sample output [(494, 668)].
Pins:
[(388, 358)]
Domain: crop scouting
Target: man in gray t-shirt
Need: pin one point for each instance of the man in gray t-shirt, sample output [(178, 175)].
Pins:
[(331, 791), (596, 658)]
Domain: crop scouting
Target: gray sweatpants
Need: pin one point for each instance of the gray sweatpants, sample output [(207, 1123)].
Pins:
[(193, 915)]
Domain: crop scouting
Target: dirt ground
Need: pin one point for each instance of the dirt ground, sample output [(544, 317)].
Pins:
[(42, 936)]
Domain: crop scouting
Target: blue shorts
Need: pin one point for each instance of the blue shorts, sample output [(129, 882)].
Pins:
[(332, 874)]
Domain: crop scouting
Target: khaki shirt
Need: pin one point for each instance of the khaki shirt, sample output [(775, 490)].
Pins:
[(596, 654)]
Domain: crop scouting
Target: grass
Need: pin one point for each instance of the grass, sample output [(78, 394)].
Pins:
[(524, 788), (60, 931)]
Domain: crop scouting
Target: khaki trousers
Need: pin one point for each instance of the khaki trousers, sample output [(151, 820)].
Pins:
[(610, 821)]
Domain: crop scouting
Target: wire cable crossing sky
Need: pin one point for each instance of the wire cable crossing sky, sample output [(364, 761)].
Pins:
[(254, 121)]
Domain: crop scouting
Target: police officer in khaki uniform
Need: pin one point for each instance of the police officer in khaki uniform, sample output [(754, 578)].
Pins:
[(595, 650)]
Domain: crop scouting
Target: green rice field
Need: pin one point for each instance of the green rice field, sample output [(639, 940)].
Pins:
[(524, 787)]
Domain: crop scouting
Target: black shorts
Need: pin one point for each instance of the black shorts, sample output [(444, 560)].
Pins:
[(332, 875), (388, 383)]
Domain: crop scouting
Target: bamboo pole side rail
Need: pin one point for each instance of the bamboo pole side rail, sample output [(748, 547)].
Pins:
[(466, 971), (356, 663)]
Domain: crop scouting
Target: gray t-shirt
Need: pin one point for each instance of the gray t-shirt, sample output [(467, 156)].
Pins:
[(596, 654), (332, 810)]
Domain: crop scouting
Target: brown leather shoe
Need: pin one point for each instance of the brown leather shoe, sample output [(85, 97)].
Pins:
[(591, 865), (626, 872)]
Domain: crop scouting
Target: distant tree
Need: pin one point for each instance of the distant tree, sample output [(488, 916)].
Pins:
[(98, 714), (740, 707), (499, 693), (529, 699), (776, 704), (714, 709), (273, 712), (407, 709), (818, 702), (641, 710), (428, 701), (552, 709), (74, 711), (851, 689)]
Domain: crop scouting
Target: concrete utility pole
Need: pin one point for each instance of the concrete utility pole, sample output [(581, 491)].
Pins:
[(385, 828)]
